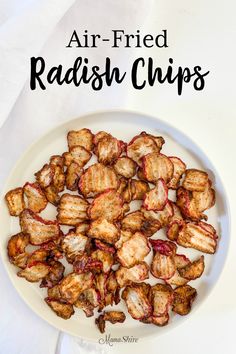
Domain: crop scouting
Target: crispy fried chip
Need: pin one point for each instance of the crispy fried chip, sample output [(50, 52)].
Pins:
[(150, 227), (163, 263), (77, 154), (142, 145), (114, 316), (135, 274), (16, 249), (36, 200), (181, 261), (96, 179), (138, 189), (108, 149), (161, 296), (179, 169), (74, 245), (82, 137), (61, 308), (45, 176), (195, 236), (183, 299), (106, 259), (157, 197), (133, 221), (73, 284), (54, 276), (107, 205), (173, 229), (15, 201), (177, 216), (34, 272), (125, 167), (193, 270), (187, 205), (195, 180), (133, 251), (206, 199), (104, 246), (72, 210), (105, 230), (52, 195), (162, 217), (124, 236), (157, 166), (86, 263), (73, 174), (82, 228), (39, 229), (136, 301)]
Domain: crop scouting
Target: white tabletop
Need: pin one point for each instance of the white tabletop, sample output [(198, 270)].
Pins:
[(200, 33)]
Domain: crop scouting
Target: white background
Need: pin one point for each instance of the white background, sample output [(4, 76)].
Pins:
[(199, 33)]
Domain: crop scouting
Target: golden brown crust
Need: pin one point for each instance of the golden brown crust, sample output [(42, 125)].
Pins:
[(15, 201), (82, 137)]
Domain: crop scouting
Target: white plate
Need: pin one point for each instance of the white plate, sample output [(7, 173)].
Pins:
[(123, 125)]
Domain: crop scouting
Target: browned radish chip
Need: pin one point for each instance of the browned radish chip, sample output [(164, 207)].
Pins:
[(133, 251), (124, 236), (157, 197), (183, 299), (206, 199), (142, 145), (181, 261), (73, 284), (86, 263), (161, 297), (150, 227), (133, 221), (114, 316), (101, 324), (54, 292), (138, 189), (74, 245), (16, 249), (96, 179), (163, 216), (105, 230), (72, 210), (45, 176), (135, 274), (57, 160), (163, 263), (82, 137), (54, 276), (15, 201), (108, 149), (97, 137), (82, 228), (137, 301), (52, 195), (107, 205), (187, 205), (125, 167), (177, 216), (83, 303), (39, 255), (77, 154), (179, 169), (61, 308), (173, 229), (73, 174), (157, 166), (105, 258), (59, 178), (158, 321), (193, 270), (36, 200), (195, 236), (39, 229), (104, 246), (34, 272), (195, 180)]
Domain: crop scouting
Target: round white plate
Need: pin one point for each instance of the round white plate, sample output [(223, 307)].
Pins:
[(123, 125)]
